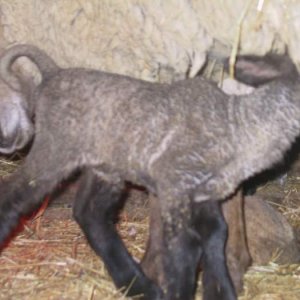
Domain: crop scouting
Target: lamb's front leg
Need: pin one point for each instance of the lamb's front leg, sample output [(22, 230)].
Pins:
[(211, 226), (179, 237), (96, 207), (174, 247)]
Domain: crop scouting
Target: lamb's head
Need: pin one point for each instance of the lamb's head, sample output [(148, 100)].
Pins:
[(16, 128), (258, 70)]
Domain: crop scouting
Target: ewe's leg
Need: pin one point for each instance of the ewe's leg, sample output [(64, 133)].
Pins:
[(237, 253), (211, 226), (95, 209)]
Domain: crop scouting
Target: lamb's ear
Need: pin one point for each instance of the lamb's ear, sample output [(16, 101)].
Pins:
[(258, 70)]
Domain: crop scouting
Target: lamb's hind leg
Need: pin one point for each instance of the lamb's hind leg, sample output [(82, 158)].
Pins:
[(22, 192), (95, 209)]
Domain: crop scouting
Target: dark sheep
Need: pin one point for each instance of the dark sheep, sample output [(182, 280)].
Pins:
[(186, 142)]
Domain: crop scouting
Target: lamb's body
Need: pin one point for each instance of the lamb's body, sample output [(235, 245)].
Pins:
[(133, 126), (189, 134), (186, 142)]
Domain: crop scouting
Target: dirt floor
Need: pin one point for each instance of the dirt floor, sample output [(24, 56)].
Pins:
[(50, 259)]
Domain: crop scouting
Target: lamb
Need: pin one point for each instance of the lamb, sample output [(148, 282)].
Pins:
[(238, 258), (22, 106), (32, 182), (187, 142)]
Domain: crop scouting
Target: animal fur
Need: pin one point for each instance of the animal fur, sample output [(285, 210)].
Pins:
[(187, 142)]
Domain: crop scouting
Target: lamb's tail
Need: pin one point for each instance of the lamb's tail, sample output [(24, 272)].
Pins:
[(257, 70), (45, 63)]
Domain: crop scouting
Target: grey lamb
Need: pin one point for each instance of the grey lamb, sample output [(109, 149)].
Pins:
[(187, 142)]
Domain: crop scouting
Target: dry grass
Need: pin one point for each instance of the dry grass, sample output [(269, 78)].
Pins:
[(50, 259), (55, 263), (8, 166)]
